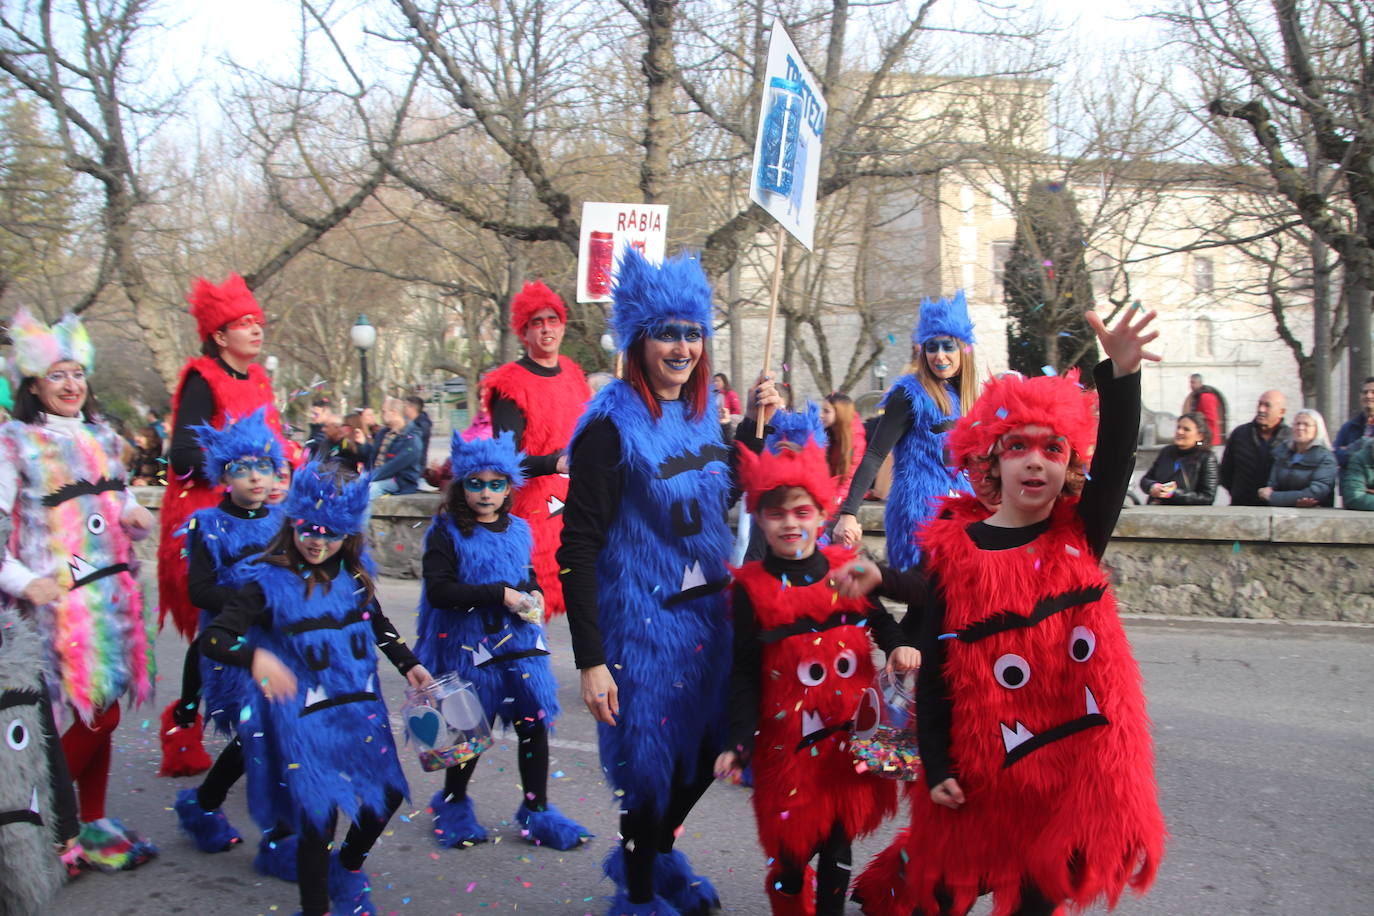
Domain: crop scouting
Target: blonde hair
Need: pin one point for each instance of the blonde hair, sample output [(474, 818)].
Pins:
[(966, 379)]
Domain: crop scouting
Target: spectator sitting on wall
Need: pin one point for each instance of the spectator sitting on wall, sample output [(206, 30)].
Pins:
[(1206, 400), (1357, 480), (1304, 471), (396, 460), (1185, 473), (146, 468), (321, 413), (1249, 450), (1358, 431), (415, 413)]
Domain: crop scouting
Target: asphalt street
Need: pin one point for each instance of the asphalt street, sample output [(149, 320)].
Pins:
[(1265, 761)]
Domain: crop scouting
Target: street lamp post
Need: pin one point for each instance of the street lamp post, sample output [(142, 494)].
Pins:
[(880, 375), (364, 335)]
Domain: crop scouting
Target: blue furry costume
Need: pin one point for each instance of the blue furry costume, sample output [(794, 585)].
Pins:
[(920, 476)]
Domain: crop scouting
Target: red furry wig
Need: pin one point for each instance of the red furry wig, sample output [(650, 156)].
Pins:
[(531, 299), (789, 467), (1011, 401), (215, 306)]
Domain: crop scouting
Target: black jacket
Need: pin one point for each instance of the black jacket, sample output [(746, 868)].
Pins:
[(1246, 463), (1195, 472)]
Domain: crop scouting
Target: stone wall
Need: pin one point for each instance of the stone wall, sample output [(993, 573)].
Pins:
[(1205, 561)]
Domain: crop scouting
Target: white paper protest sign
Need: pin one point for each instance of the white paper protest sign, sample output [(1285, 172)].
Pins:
[(606, 231)]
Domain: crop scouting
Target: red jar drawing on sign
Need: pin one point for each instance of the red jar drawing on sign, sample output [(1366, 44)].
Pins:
[(600, 250)]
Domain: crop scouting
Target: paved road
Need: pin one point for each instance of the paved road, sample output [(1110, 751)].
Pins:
[(1265, 758)]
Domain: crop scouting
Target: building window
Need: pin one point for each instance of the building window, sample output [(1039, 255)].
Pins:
[(1101, 267), (1001, 254), (1202, 274), (1204, 332)]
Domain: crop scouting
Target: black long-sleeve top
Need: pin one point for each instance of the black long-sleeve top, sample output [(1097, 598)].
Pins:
[(202, 577), (746, 672), (223, 639), (445, 585), (1099, 507), (591, 509), (196, 406), (506, 416), (898, 416)]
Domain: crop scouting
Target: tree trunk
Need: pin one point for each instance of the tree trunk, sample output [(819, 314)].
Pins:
[(1357, 333), (1321, 327), (736, 329), (659, 68)]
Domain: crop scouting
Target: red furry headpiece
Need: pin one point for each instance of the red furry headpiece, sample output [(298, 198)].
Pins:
[(532, 298), (1010, 401), (215, 306), (789, 467)]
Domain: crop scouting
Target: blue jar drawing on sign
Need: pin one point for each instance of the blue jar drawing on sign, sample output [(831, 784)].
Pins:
[(781, 133)]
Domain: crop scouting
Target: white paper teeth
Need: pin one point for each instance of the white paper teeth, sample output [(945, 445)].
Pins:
[(1015, 738)]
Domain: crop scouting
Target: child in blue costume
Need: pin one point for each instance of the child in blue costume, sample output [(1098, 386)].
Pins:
[(918, 411), (245, 457), (304, 622), (644, 571), (480, 615)]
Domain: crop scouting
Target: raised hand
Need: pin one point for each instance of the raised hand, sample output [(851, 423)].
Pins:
[(1125, 343)]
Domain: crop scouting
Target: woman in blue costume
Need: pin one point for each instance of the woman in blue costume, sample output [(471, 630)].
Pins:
[(644, 572), (481, 614), (919, 410), (305, 622)]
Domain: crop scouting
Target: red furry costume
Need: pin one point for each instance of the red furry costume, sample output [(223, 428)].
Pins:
[(1049, 735), (816, 665), (551, 407), (213, 308)]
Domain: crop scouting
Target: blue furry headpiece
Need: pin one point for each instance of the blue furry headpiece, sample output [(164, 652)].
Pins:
[(944, 317), (319, 501), (249, 435), (497, 454), (797, 427), (646, 295)]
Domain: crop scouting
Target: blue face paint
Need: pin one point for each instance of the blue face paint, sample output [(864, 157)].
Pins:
[(675, 331)]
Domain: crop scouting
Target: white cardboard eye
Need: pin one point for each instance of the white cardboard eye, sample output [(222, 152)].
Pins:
[(462, 710)]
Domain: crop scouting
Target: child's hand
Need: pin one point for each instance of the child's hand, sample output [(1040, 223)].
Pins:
[(857, 578), (275, 680), (512, 598), (728, 768), (847, 532), (948, 794), (43, 590), (600, 694), (904, 658), (1124, 344), (419, 677), (137, 521)]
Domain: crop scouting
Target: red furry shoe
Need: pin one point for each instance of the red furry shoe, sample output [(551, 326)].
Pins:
[(183, 747), (802, 903)]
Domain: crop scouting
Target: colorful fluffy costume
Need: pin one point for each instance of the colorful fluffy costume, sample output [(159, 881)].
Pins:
[(817, 650), (551, 406), (30, 874), (503, 655), (67, 526), (920, 476), (213, 307), (1049, 736)]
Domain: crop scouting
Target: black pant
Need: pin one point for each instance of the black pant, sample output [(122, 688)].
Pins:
[(188, 707), (832, 873), (226, 771), (1033, 903), (532, 758), (312, 853), (646, 836)]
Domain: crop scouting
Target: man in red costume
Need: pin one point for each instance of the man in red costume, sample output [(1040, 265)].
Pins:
[(540, 397), (225, 379)]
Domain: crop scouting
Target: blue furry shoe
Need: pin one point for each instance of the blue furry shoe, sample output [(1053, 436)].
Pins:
[(691, 893), (551, 827), (621, 906), (349, 890), (210, 829), (455, 822), (277, 858)]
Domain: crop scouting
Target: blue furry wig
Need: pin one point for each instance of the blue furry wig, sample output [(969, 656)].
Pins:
[(797, 427), (241, 436), (944, 317), (497, 454), (646, 295), (319, 500)]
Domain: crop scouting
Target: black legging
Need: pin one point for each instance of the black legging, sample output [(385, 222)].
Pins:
[(645, 836), (186, 710), (222, 776), (532, 758), (312, 853), (1033, 903), (832, 873)]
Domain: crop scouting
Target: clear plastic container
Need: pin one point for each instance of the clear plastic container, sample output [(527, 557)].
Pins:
[(445, 723)]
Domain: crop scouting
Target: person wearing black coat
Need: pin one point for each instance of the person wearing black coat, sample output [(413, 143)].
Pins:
[(1249, 450), (1185, 473)]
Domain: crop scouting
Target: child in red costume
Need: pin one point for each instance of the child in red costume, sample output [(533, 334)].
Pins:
[(540, 398), (225, 379), (1038, 775), (795, 723)]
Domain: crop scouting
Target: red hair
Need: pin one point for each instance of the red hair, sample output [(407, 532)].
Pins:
[(696, 391), (534, 297)]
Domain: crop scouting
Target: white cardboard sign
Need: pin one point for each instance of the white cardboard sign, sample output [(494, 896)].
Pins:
[(607, 229)]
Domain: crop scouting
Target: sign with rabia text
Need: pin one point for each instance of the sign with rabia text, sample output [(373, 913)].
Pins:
[(607, 229), (787, 150)]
